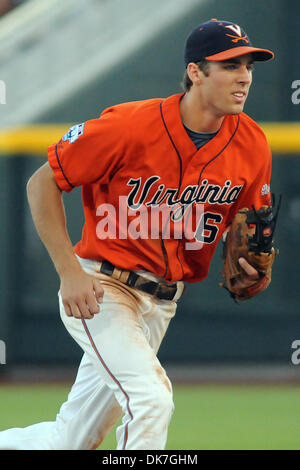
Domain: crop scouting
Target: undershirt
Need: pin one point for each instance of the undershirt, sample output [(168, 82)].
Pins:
[(200, 138)]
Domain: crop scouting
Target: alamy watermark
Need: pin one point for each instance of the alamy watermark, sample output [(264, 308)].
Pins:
[(296, 94), (295, 358), (2, 92), (141, 222), (2, 352)]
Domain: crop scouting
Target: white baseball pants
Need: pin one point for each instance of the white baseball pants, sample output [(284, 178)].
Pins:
[(119, 375)]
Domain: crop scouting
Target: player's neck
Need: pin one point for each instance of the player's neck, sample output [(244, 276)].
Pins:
[(196, 117)]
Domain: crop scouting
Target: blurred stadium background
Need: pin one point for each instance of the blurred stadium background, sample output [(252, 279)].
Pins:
[(63, 62)]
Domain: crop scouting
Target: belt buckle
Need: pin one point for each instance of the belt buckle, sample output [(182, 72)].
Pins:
[(163, 287)]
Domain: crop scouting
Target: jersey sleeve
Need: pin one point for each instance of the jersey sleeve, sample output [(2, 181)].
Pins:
[(258, 192), (88, 152)]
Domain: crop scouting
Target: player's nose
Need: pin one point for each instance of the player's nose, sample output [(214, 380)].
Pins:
[(245, 75)]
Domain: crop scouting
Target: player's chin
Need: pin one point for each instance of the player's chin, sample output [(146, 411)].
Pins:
[(235, 109)]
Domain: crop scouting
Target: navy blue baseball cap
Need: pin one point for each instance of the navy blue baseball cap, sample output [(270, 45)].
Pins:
[(221, 40)]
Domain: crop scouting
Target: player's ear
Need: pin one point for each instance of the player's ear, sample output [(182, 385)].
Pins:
[(194, 73)]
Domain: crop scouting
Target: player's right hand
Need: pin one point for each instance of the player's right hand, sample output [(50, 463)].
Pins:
[(81, 294)]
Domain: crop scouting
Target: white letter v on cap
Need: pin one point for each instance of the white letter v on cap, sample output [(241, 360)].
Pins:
[(235, 28)]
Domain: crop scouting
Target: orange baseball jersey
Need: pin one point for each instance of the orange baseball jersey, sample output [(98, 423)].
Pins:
[(151, 200)]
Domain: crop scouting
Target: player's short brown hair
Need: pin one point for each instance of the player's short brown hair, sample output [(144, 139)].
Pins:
[(186, 82)]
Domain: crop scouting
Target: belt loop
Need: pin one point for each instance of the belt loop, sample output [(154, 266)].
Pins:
[(124, 276), (180, 290), (117, 273)]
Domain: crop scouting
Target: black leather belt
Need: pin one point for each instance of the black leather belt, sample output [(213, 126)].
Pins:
[(161, 290)]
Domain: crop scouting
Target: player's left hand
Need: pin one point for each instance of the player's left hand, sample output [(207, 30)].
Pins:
[(249, 276)]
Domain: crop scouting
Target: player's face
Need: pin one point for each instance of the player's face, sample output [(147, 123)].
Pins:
[(225, 89)]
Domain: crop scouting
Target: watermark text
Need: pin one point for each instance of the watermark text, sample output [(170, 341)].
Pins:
[(2, 352), (295, 358), (296, 94), (2, 92), (160, 222)]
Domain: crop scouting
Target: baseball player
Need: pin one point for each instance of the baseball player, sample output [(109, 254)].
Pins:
[(161, 181)]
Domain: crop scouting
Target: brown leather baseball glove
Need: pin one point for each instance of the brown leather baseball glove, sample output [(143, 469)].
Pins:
[(250, 236)]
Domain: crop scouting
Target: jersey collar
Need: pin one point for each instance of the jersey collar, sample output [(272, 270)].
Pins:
[(177, 133)]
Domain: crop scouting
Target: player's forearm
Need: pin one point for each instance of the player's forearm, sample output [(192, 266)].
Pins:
[(47, 209)]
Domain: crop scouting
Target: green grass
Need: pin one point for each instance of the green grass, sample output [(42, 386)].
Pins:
[(205, 417)]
